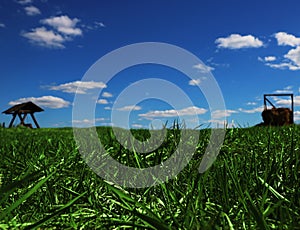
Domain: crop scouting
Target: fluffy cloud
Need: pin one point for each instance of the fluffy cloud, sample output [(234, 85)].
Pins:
[(64, 25), (32, 10), (287, 89), (270, 58), (24, 2), (96, 25), (294, 56), (45, 101), (222, 113), (203, 68), (102, 102), (130, 108), (254, 110), (287, 102), (194, 82), (283, 65), (107, 94), (284, 39), (237, 41), (43, 37), (193, 110), (80, 87), (291, 60), (137, 126), (62, 29), (85, 122)]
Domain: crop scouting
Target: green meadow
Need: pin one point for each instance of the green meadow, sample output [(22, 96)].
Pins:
[(253, 184)]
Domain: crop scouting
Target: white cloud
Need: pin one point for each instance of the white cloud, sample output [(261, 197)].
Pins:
[(222, 113), (203, 68), (64, 25), (193, 110), (284, 39), (88, 121), (291, 62), (80, 87), (44, 101), (2, 25), (291, 59), (24, 2), (107, 94), (107, 108), (194, 82), (63, 29), (254, 110), (197, 81), (287, 102), (283, 65), (138, 126), (43, 37), (237, 41), (294, 56), (251, 103), (32, 10), (270, 58), (287, 89), (130, 108), (102, 101)]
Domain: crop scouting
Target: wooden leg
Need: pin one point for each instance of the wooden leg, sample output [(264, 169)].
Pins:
[(35, 122), (22, 118), (12, 120)]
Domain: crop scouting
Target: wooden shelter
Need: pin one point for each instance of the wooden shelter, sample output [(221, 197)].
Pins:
[(22, 110)]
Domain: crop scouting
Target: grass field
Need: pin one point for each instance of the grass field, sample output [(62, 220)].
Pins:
[(253, 184)]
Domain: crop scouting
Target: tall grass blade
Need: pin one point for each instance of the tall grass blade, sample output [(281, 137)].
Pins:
[(61, 209), (23, 198)]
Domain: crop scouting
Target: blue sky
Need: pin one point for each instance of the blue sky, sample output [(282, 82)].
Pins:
[(250, 47)]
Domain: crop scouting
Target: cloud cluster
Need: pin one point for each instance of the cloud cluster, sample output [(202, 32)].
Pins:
[(203, 68), (102, 102), (237, 41), (60, 29), (44, 101), (32, 10), (29, 10), (287, 102), (63, 24), (88, 122), (193, 110), (291, 60), (130, 108), (80, 87), (285, 39), (24, 2), (217, 114)]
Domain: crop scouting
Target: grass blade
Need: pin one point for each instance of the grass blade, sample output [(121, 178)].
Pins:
[(23, 198)]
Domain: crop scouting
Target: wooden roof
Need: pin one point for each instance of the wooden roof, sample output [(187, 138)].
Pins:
[(27, 107)]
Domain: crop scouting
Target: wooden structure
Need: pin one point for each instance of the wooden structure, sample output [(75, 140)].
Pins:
[(278, 116), (22, 110)]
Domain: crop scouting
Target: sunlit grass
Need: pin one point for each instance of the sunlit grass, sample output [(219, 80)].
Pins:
[(254, 183)]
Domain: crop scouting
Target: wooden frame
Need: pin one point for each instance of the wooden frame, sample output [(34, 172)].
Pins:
[(279, 95)]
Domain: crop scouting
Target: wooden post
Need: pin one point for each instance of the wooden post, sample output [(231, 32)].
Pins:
[(22, 119), (12, 120), (34, 120)]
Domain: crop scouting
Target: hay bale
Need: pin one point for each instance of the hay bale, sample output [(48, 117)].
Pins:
[(277, 116)]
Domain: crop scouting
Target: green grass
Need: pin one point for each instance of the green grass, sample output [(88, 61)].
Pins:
[(253, 184)]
